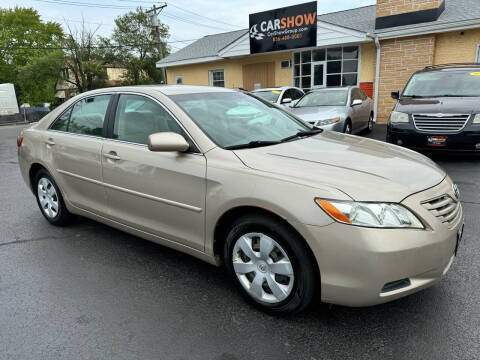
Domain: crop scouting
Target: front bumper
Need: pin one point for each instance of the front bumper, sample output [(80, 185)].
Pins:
[(468, 140), (339, 126), (357, 263)]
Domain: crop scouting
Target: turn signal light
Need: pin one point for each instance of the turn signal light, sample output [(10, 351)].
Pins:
[(330, 209), (19, 140)]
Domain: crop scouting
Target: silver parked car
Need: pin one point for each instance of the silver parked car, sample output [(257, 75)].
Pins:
[(347, 109), (284, 96)]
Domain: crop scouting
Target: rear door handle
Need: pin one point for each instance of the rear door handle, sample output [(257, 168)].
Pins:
[(112, 155), (50, 142)]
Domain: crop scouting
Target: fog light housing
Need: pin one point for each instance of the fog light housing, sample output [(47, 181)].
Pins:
[(395, 285), (477, 146), (399, 142)]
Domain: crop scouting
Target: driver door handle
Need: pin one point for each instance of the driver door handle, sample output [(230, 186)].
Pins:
[(50, 142), (112, 155)]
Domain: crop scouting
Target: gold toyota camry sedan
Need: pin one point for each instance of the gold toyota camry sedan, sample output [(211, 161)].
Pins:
[(289, 209)]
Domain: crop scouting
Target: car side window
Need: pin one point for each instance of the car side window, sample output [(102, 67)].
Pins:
[(297, 94), (137, 117), (363, 96), (355, 96), (61, 124), (287, 95), (88, 115)]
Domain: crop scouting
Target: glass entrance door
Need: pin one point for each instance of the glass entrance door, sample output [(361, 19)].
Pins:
[(319, 75)]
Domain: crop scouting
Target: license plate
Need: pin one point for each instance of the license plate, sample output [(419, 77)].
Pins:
[(459, 238), (436, 140)]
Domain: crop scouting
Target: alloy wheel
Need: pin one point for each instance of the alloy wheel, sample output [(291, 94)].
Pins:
[(263, 267), (48, 197)]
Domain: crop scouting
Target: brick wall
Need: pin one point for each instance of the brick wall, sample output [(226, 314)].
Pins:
[(395, 7), (400, 58)]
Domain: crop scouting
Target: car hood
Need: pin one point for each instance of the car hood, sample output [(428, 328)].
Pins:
[(446, 105), (315, 113), (364, 169)]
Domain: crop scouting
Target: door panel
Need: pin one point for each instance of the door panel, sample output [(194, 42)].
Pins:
[(356, 110), (75, 142), (77, 163), (160, 193)]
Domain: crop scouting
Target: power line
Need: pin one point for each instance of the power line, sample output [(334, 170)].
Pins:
[(83, 4), (202, 16), (178, 18), (67, 48)]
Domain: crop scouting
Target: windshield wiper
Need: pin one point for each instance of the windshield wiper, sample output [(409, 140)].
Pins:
[(414, 96), (252, 144), (302, 133)]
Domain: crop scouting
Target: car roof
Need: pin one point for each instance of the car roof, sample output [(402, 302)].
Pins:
[(452, 67), (276, 88), (165, 89), (333, 88)]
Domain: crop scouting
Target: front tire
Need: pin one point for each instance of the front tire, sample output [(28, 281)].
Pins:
[(347, 128), (50, 200), (270, 264), (370, 124)]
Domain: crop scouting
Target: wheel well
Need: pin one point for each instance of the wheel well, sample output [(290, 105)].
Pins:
[(33, 171), (227, 219)]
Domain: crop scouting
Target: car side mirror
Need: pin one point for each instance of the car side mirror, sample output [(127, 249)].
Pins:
[(286, 101), (167, 142), (395, 95), (357, 102)]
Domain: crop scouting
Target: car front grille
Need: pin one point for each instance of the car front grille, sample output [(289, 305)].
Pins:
[(440, 123), (445, 208)]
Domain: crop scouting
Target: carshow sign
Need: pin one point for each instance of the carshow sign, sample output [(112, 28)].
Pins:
[(285, 28)]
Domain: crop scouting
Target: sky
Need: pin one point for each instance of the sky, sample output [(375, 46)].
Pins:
[(187, 19)]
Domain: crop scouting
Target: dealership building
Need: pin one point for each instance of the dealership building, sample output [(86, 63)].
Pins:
[(376, 47)]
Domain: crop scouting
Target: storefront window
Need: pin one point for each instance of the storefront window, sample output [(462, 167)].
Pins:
[(318, 55), (340, 64)]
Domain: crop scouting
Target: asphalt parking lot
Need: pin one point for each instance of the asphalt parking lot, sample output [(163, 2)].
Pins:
[(91, 292)]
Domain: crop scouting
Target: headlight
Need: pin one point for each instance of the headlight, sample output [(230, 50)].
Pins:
[(476, 119), (327, 122), (379, 215), (398, 117)]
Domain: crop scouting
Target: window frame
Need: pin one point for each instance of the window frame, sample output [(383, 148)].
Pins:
[(301, 77), (478, 54), (210, 77), (195, 149), (106, 120), (178, 77)]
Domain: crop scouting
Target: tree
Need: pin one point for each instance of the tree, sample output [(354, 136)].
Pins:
[(139, 47), (39, 77), (25, 41), (84, 59)]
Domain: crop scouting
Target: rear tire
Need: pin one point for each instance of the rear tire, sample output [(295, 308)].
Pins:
[(270, 264), (50, 200)]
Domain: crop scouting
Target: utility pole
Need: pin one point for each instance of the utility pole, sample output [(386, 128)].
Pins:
[(154, 11)]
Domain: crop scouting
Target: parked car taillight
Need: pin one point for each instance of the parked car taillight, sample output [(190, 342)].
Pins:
[(19, 140)]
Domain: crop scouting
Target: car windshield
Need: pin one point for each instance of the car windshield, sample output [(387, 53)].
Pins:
[(444, 83), (233, 118), (324, 98), (269, 95)]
